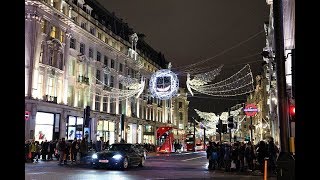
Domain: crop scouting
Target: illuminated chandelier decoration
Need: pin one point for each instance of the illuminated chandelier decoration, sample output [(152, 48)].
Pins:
[(164, 84), (238, 84)]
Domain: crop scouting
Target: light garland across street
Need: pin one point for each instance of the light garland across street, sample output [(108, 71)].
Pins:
[(238, 84)]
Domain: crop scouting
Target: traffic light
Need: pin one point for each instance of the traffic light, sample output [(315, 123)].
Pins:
[(230, 122), (86, 117), (224, 128), (292, 112)]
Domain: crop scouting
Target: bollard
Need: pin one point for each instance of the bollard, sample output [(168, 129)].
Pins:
[(265, 173)]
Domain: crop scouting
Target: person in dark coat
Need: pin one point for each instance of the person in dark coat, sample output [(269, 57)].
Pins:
[(212, 161), (262, 152)]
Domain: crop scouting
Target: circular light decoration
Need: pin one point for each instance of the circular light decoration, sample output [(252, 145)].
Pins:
[(164, 84)]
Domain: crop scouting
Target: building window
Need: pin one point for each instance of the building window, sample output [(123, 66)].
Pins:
[(121, 67), (112, 107), (106, 79), (50, 57), (99, 35), (40, 86), (180, 116), (74, 128), (44, 25), (53, 32), (105, 104), (61, 36), (180, 104), (50, 87), (97, 102), (112, 63), (73, 43), (111, 81), (92, 30), (90, 52), (105, 61), (98, 77), (84, 25), (82, 48), (98, 56)]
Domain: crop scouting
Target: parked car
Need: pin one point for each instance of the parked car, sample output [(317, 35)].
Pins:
[(121, 156)]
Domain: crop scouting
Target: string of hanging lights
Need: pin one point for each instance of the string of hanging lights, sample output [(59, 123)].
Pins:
[(238, 84)]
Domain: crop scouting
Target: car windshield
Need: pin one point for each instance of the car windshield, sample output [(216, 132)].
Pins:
[(119, 147)]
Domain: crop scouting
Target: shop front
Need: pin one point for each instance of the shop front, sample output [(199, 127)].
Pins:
[(132, 133), (106, 129), (74, 128), (46, 126), (148, 134)]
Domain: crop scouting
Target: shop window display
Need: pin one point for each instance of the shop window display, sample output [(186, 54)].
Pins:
[(44, 126)]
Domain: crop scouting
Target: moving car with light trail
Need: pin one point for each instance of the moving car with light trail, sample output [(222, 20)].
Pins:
[(121, 156)]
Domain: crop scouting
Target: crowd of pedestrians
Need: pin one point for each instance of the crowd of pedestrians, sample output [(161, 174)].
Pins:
[(64, 151), (240, 156)]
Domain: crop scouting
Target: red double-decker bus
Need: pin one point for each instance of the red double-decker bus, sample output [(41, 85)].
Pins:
[(165, 140), (198, 142)]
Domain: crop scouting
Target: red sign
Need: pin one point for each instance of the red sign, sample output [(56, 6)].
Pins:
[(27, 115), (250, 109)]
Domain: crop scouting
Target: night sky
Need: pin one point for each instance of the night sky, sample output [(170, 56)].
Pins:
[(214, 32)]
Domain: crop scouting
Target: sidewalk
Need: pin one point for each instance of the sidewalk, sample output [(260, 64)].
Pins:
[(154, 154)]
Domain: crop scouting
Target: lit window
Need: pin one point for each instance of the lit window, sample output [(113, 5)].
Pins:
[(53, 32)]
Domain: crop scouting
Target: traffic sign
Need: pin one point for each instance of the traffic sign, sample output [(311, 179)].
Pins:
[(27, 115), (250, 109)]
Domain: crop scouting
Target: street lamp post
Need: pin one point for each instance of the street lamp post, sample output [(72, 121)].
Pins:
[(194, 135), (285, 161)]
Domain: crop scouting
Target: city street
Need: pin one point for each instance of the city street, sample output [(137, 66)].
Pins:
[(158, 166)]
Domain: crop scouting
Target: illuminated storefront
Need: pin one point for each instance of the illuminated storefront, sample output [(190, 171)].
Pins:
[(132, 133), (105, 129), (148, 134), (46, 126), (74, 127)]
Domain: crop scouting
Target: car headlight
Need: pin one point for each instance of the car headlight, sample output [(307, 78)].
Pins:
[(94, 156), (117, 156)]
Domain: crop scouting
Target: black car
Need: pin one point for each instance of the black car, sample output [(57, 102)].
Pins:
[(120, 156), (141, 149)]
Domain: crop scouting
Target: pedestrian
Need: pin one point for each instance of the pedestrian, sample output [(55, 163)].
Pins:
[(62, 147), (212, 155), (73, 150)]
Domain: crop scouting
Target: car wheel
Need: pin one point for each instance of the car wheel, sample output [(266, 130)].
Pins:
[(142, 162), (125, 163)]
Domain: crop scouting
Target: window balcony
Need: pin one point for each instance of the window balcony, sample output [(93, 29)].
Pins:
[(83, 79), (52, 99)]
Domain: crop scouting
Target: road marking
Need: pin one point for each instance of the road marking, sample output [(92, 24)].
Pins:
[(193, 158)]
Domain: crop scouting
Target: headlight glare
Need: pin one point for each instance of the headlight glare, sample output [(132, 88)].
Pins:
[(117, 156), (94, 156)]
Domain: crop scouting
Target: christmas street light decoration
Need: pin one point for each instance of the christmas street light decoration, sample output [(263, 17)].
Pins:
[(119, 94), (238, 84), (164, 84)]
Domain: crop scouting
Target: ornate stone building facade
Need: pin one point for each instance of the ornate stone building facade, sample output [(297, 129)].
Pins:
[(68, 46)]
